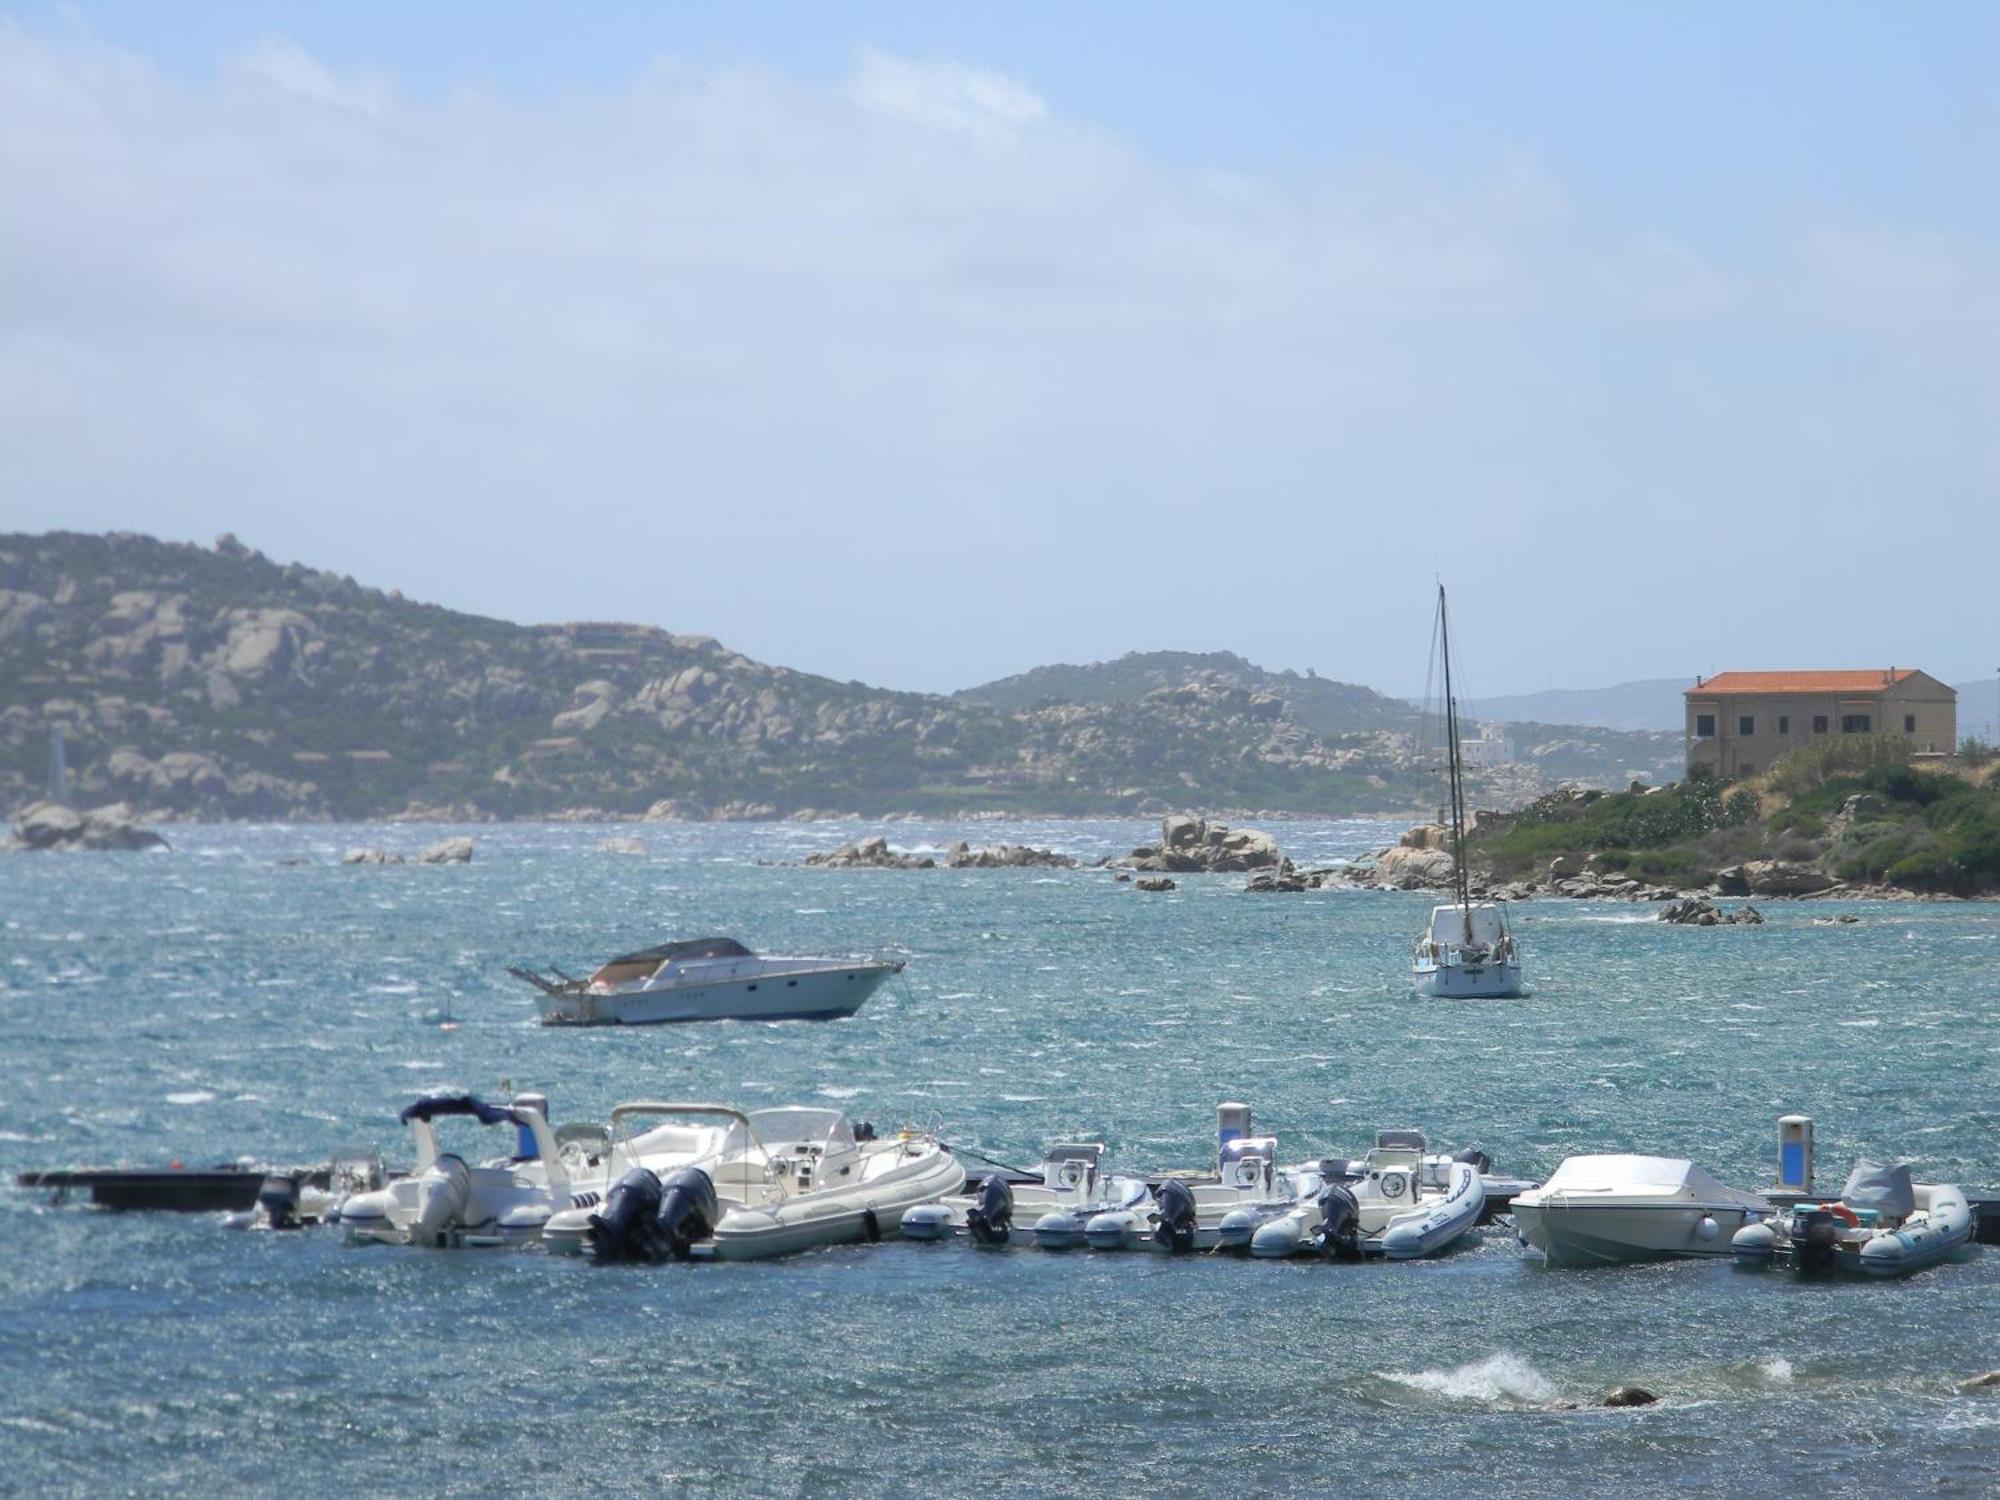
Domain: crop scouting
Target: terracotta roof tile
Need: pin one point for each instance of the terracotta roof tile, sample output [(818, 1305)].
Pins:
[(1867, 680)]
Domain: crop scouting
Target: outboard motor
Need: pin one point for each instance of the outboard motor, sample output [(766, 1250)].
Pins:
[(991, 1219), (279, 1198), (863, 1132), (1177, 1217), (1813, 1239), (625, 1229), (688, 1211), (1473, 1157), (1339, 1223), (443, 1193)]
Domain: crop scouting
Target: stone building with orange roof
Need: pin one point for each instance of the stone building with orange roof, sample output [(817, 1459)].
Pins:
[(1740, 723)]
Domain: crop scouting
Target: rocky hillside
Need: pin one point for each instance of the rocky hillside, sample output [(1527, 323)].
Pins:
[(215, 682), (1319, 703), (1546, 753)]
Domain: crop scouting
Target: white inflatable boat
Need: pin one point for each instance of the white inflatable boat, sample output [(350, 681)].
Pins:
[(783, 1180), (1883, 1224), (446, 1202), (1048, 1207), (1400, 1201)]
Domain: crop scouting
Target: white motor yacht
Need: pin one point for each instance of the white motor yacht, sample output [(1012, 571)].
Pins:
[(1048, 1207), (782, 1180), (446, 1202), (706, 979), (1400, 1201), (1607, 1210), (1883, 1224)]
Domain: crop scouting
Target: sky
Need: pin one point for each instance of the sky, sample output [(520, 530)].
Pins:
[(923, 344)]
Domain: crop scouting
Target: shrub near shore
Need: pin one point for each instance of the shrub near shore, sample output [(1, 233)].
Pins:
[(1861, 813)]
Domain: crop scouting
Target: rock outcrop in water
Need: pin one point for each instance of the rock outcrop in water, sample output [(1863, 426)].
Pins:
[(1699, 911), (49, 826), (1191, 845), (874, 853)]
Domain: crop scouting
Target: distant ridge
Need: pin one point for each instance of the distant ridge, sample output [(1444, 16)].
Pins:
[(1320, 703), (1652, 703), (217, 683)]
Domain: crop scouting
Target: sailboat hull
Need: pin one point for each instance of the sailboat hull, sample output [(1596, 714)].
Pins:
[(1489, 981)]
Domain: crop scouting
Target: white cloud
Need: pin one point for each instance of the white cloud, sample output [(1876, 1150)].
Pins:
[(912, 335)]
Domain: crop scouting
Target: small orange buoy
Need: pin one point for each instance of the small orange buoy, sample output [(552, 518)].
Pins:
[(175, 1164), (448, 1026)]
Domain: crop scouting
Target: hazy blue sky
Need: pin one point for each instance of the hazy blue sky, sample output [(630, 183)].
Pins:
[(922, 344)]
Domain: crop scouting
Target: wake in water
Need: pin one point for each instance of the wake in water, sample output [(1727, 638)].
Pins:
[(1500, 1380)]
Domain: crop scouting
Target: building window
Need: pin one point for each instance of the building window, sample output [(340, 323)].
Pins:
[(1819, 723), (1909, 723), (1854, 723), (1704, 726), (1784, 723), (1745, 724)]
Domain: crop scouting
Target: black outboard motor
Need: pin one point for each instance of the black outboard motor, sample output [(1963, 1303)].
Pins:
[(279, 1198), (1813, 1239), (1177, 1217), (624, 1229), (863, 1132), (688, 1211), (1339, 1223), (1473, 1157), (991, 1219)]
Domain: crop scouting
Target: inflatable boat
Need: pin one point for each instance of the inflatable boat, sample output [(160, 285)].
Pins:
[(1883, 1224)]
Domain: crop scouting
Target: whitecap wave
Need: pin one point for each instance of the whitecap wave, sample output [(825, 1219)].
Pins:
[(1502, 1379), (1776, 1369), (191, 1096)]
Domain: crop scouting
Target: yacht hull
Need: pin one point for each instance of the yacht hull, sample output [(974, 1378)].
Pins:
[(1621, 1234), (801, 995)]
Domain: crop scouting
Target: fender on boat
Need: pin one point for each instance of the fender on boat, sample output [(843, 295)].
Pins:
[(928, 1222), (1754, 1244)]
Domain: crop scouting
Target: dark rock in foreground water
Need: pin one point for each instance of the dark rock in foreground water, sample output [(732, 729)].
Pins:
[(1630, 1395)]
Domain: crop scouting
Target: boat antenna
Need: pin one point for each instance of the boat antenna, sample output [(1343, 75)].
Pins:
[(1458, 876)]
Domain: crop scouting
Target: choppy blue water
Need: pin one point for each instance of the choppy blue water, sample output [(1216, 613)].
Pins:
[(213, 1002)]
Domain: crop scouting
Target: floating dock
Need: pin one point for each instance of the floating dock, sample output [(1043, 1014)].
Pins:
[(187, 1190)]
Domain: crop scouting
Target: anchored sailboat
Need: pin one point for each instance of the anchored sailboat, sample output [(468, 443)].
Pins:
[(1467, 951)]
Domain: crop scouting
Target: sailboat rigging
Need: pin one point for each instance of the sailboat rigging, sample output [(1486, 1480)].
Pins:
[(1467, 950)]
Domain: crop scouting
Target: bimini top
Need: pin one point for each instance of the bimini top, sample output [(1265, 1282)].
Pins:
[(462, 1104), (708, 947)]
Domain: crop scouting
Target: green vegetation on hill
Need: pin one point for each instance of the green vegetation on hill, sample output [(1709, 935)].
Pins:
[(1856, 809)]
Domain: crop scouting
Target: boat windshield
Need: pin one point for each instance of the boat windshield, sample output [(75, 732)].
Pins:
[(793, 1126)]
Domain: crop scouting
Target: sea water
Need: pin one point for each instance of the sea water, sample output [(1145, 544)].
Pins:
[(244, 994)]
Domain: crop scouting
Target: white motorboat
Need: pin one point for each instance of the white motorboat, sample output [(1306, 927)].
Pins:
[(1883, 1224), (1467, 951), (1186, 1211), (446, 1202), (781, 1181), (706, 979), (1048, 1207), (1608, 1210), (1400, 1201)]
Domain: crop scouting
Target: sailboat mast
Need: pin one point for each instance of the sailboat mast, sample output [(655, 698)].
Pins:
[(1459, 881)]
